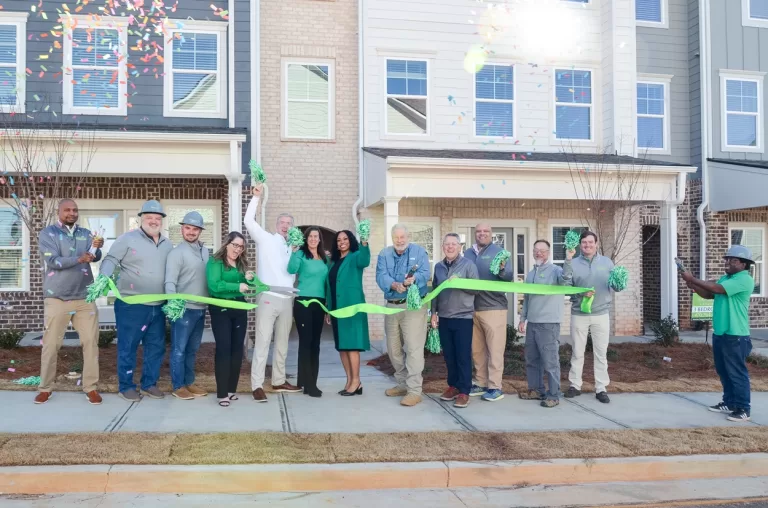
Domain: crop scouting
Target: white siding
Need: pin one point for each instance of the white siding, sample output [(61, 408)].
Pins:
[(547, 33)]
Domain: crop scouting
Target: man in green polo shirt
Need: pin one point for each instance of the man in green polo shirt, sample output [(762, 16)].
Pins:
[(730, 341)]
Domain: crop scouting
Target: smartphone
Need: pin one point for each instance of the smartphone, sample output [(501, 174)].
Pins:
[(680, 265)]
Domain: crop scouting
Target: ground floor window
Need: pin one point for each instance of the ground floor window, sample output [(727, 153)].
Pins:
[(425, 231), (558, 233), (14, 246), (751, 236)]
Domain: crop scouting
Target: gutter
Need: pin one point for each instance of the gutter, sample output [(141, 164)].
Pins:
[(706, 135), (255, 20), (360, 112)]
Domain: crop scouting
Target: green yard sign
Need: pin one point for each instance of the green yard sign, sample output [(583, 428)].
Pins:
[(701, 310)]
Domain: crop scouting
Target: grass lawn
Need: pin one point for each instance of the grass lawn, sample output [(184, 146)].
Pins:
[(282, 448)]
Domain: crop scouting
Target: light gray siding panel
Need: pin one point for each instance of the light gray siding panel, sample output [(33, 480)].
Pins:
[(243, 81), (694, 69), (727, 189), (666, 51)]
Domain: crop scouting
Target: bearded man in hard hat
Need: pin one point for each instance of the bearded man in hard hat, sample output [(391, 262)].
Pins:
[(140, 256), (185, 274), (731, 343)]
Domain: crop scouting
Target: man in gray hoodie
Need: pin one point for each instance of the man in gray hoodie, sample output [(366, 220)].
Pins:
[(140, 256), (452, 312), (67, 251), (489, 335), (590, 270), (540, 322), (185, 274)]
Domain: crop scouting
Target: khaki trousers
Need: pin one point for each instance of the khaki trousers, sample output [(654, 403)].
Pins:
[(406, 336), (85, 320), (489, 339), (581, 326), (274, 315)]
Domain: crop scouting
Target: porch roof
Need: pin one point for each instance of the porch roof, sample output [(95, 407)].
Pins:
[(737, 184)]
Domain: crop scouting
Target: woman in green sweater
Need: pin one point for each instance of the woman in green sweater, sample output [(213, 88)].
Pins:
[(311, 265), (345, 288), (227, 274)]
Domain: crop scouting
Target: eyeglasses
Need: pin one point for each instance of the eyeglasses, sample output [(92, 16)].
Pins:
[(540, 251), (237, 246)]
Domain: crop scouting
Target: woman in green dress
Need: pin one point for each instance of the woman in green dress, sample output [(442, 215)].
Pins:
[(345, 288)]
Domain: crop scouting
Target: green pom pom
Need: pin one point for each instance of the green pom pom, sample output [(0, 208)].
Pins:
[(618, 278), (28, 381), (97, 288), (364, 230), (257, 173), (433, 341), (174, 309), (413, 300), (295, 237), (572, 239), (500, 258)]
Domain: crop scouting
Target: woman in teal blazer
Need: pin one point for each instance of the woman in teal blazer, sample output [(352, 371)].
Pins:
[(344, 288)]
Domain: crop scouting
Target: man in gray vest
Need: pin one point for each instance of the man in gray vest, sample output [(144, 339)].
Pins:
[(140, 255), (540, 322), (67, 252), (185, 274)]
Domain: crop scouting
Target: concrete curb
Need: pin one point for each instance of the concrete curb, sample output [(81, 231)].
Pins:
[(327, 477)]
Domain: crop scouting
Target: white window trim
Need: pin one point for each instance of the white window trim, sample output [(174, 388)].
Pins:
[(747, 20), (575, 223), (218, 28), (169, 204), (25, 254), (121, 25), (593, 106), (331, 98), (666, 81), (756, 226), (19, 20), (664, 23), (741, 76), (437, 241), (497, 139), (400, 136)]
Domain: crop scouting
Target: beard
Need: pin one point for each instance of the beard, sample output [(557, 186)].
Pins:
[(539, 262), (152, 230)]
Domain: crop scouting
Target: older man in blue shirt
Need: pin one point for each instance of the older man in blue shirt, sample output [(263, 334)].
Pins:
[(398, 267)]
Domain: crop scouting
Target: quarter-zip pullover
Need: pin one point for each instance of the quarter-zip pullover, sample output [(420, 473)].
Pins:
[(185, 271), (60, 248), (489, 300), (586, 273), (454, 303), (544, 308)]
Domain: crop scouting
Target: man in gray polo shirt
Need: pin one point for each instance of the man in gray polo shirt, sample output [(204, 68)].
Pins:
[(140, 256), (540, 322), (185, 274)]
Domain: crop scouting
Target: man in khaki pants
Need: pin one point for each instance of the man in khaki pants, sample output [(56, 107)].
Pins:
[(489, 336), (67, 251)]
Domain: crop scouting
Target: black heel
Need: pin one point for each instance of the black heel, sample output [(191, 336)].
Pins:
[(342, 391), (358, 391)]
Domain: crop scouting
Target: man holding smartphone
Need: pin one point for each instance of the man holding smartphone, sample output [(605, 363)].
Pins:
[(731, 343)]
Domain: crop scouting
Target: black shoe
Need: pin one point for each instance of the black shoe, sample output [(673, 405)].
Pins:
[(603, 397), (739, 415), (571, 393), (314, 393), (359, 391), (720, 408)]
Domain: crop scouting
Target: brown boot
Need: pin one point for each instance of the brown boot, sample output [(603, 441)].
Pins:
[(396, 391), (410, 400), (197, 392), (259, 395)]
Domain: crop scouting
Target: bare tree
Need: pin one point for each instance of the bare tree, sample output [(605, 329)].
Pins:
[(614, 190), (43, 159)]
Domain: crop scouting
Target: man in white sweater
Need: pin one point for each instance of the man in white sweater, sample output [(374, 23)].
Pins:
[(275, 311)]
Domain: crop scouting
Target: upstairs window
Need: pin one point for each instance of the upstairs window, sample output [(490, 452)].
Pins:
[(651, 116), (95, 68), (407, 97), (573, 104), (742, 111), (649, 11), (495, 101), (308, 96), (12, 61), (196, 70)]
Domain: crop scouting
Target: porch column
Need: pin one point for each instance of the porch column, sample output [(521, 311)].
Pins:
[(391, 217), (235, 191), (669, 277)]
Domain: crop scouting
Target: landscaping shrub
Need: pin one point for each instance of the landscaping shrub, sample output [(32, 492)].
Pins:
[(106, 337), (758, 360), (666, 332), (612, 355), (9, 339), (565, 356)]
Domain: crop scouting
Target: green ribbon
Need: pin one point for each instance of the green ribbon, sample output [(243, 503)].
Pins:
[(219, 302), (471, 284)]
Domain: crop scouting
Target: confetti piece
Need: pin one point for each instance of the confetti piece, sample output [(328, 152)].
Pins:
[(11, 369), (78, 382), (143, 328)]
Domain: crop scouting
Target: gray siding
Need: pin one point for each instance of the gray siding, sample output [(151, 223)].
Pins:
[(243, 74), (666, 51), (694, 69), (734, 47), (727, 189)]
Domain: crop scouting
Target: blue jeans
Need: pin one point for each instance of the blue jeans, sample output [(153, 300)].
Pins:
[(456, 341), (186, 335), (731, 353), (137, 324)]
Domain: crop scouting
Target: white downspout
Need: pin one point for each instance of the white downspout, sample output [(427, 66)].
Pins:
[(360, 114), (706, 130), (231, 68), (255, 20)]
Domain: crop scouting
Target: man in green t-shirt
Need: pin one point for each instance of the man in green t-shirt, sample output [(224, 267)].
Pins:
[(730, 322)]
